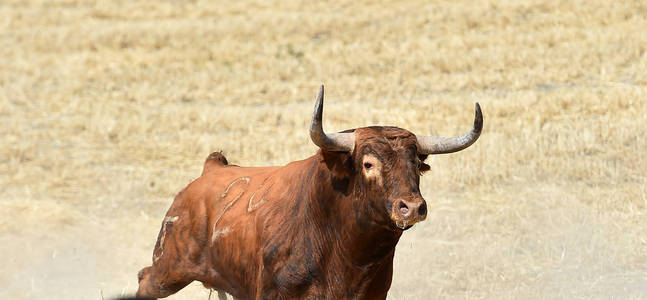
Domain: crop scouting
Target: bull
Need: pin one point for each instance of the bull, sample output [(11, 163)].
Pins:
[(323, 227)]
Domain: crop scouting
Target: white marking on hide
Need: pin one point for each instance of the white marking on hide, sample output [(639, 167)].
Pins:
[(224, 194), (171, 219), (167, 220), (216, 232), (252, 206)]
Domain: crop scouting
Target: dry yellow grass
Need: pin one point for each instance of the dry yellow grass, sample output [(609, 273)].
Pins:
[(108, 108)]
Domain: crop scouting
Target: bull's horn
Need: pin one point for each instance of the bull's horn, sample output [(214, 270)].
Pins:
[(337, 142), (439, 145)]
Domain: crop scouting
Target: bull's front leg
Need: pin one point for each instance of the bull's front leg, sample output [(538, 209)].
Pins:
[(156, 284), (173, 266)]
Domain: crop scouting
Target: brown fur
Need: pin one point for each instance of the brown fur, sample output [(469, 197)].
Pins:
[(315, 228)]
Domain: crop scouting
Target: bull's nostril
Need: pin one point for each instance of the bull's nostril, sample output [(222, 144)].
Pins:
[(404, 209), (422, 210)]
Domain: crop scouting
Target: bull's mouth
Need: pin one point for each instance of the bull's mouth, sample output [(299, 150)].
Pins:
[(404, 224), (403, 228)]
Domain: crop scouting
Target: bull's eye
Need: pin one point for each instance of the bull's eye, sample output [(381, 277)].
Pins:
[(372, 168)]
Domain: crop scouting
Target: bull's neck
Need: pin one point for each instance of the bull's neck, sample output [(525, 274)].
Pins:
[(358, 242)]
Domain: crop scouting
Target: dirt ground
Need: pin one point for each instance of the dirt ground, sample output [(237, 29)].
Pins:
[(108, 109)]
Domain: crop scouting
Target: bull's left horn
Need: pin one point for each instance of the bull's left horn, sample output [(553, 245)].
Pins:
[(440, 145), (335, 142)]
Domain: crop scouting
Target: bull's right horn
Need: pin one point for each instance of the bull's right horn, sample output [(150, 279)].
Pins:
[(440, 145), (335, 142)]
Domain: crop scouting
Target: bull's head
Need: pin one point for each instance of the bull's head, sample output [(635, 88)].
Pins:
[(384, 165)]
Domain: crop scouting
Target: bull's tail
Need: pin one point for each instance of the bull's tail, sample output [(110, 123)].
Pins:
[(214, 160)]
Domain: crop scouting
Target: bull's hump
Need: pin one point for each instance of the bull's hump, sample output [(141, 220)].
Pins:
[(214, 161)]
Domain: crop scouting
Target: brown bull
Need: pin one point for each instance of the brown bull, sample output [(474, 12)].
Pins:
[(323, 227)]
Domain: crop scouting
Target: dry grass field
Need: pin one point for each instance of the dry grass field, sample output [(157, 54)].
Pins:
[(108, 108)]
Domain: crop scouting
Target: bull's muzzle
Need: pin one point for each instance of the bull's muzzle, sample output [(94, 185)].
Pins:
[(406, 212)]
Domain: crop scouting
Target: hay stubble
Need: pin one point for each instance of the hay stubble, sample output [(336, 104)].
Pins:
[(108, 108)]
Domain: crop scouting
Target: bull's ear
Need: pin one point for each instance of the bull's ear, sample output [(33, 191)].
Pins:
[(339, 163), (423, 166)]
